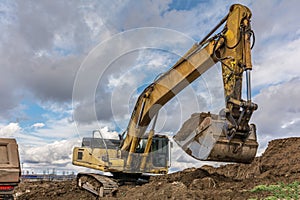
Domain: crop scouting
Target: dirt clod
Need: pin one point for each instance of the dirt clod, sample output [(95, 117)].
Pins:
[(279, 163)]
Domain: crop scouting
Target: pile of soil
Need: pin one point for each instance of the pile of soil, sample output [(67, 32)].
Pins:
[(279, 163), (51, 190)]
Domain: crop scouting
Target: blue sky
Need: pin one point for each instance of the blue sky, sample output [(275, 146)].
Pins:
[(68, 68), (184, 5)]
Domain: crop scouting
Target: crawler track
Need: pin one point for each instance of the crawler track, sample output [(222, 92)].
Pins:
[(97, 184)]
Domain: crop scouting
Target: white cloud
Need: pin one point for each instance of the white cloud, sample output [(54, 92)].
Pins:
[(278, 111), (290, 123), (10, 130), (53, 153), (56, 128), (38, 125), (108, 134), (277, 64)]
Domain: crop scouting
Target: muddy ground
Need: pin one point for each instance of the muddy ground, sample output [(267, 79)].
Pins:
[(279, 163)]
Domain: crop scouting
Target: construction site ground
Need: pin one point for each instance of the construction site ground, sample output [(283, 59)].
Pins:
[(280, 163)]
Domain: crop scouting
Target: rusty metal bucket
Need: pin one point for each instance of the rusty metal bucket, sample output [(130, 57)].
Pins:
[(208, 141)]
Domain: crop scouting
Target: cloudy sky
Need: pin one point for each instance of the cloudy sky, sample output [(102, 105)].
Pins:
[(69, 67)]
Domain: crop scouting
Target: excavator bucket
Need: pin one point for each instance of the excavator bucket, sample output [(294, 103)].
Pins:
[(204, 137)]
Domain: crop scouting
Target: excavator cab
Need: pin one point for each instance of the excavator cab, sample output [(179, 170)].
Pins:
[(105, 154)]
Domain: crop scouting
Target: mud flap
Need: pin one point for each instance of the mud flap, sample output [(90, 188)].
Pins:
[(209, 142)]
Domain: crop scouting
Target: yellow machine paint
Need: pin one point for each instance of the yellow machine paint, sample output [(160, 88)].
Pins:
[(227, 136), (105, 155)]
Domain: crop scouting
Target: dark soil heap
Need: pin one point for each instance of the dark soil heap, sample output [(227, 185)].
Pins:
[(279, 163)]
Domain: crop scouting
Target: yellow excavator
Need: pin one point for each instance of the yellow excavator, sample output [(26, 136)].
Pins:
[(224, 137)]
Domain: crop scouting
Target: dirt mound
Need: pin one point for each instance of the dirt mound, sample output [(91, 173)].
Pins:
[(282, 157), (280, 162), (51, 190)]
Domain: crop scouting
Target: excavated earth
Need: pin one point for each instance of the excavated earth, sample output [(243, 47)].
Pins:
[(279, 163)]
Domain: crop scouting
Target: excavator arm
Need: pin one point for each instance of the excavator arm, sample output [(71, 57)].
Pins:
[(232, 48)]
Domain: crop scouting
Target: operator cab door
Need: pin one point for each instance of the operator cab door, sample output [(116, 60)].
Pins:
[(160, 152)]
